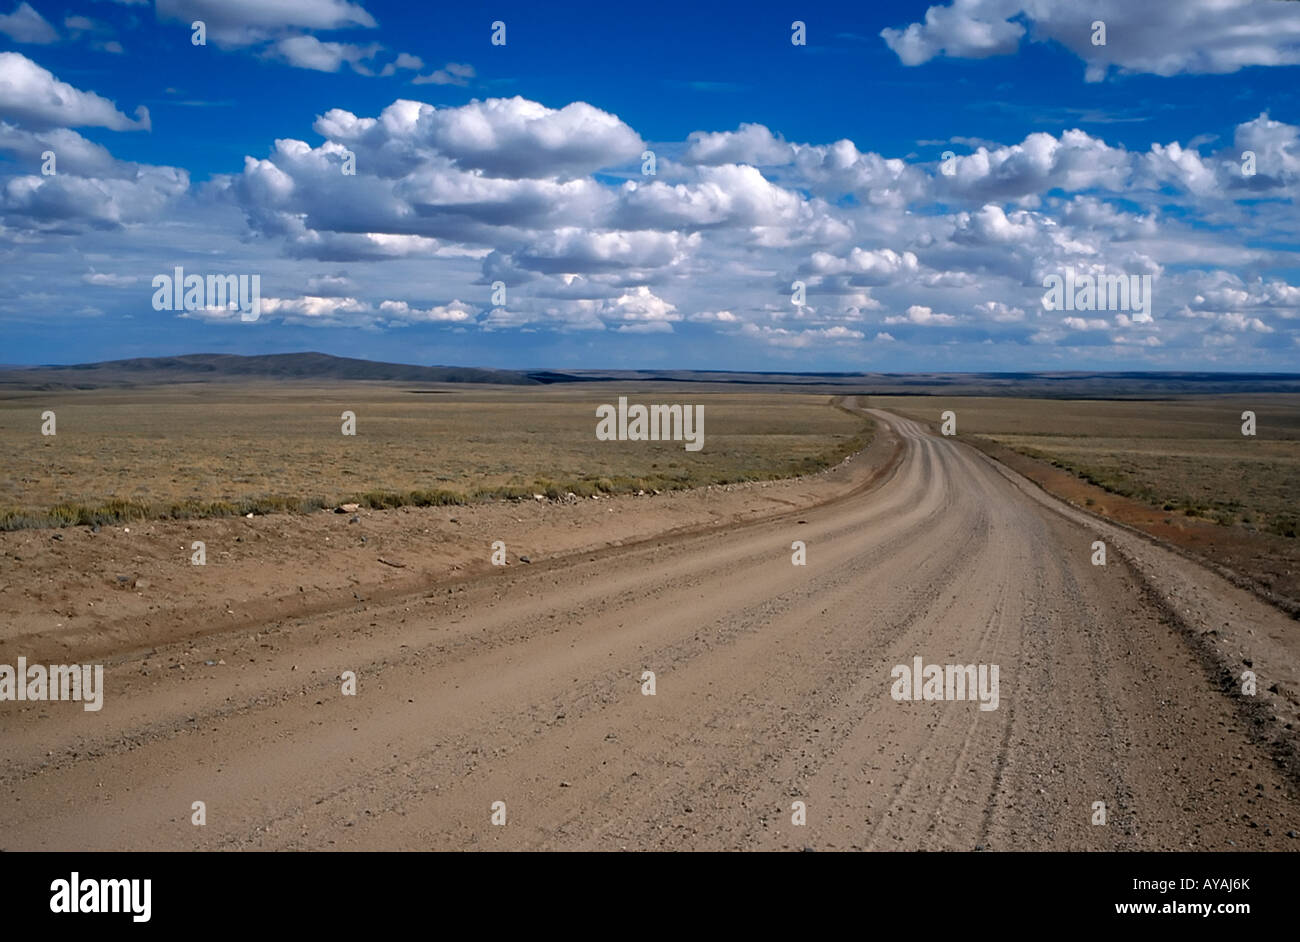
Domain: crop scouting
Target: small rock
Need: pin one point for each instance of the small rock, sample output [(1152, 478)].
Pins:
[(141, 583), (524, 559), (539, 497), (354, 519)]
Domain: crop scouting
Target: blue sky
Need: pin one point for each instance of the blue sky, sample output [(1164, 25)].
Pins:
[(775, 163)]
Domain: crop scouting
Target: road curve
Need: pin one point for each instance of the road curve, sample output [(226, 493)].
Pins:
[(772, 686)]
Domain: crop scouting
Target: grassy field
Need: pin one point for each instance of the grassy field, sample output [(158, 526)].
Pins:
[(214, 449), (1186, 456)]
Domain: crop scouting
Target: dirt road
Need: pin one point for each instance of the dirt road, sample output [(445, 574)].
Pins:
[(772, 686)]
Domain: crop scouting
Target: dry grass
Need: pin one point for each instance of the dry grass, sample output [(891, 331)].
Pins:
[(215, 449)]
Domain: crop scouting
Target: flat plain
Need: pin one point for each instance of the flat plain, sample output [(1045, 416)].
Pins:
[(218, 449)]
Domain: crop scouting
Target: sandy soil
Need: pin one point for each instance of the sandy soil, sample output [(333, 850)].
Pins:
[(522, 684)]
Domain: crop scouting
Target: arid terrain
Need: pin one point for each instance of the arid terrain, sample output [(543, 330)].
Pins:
[(200, 450), (524, 684)]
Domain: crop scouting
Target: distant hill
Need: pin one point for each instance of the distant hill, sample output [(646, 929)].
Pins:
[(215, 367), (1049, 385), (225, 367)]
